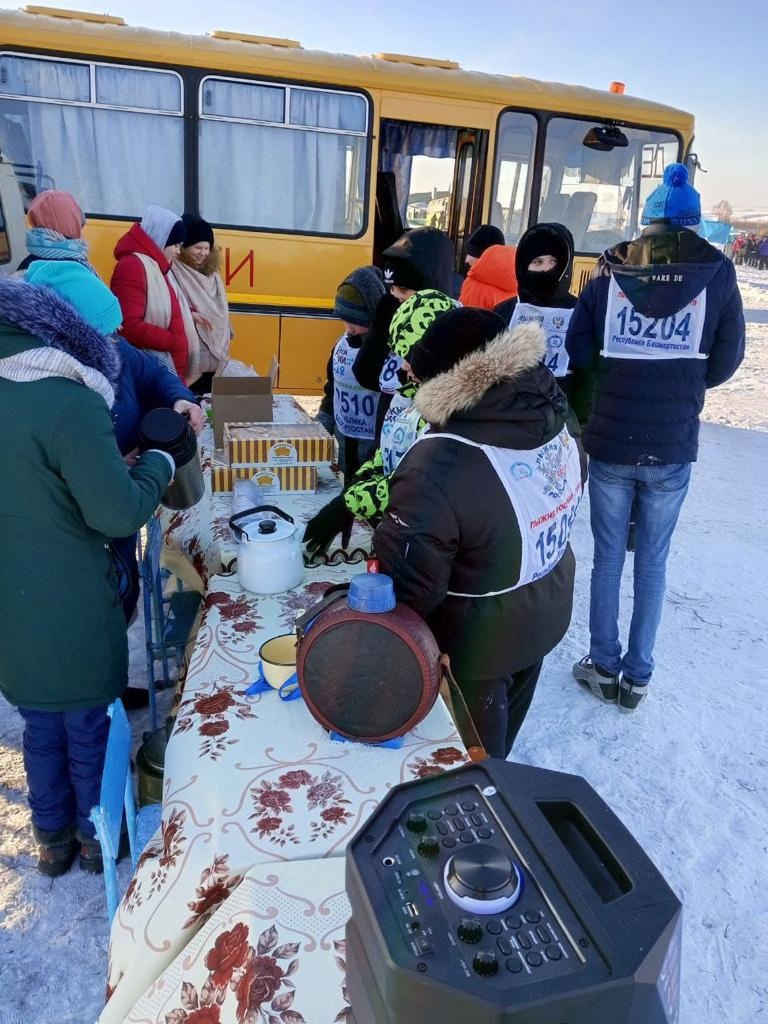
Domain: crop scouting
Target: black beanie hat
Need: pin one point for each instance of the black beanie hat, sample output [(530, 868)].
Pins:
[(451, 337), (197, 230), (482, 238), (403, 274), (177, 234)]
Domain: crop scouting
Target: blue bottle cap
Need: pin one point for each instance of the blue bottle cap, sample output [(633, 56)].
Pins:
[(371, 592)]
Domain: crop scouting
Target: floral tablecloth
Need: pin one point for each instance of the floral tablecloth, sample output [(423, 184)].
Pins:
[(248, 780), (273, 951)]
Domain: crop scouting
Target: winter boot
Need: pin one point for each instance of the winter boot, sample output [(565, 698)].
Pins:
[(135, 698), (90, 855), (597, 680), (91, 858), (631, 694), (56, 850)]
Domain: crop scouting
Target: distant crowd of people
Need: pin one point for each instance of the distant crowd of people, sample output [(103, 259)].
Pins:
[(466, 412), (751, 251)]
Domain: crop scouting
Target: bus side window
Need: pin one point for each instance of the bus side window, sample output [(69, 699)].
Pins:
[(113, 136), (512, 173), (282, 157)]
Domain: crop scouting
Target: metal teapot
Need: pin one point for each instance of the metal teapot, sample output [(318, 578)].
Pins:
[(269, 555)]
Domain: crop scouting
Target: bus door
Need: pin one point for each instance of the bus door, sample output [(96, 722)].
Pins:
[(13, 225), (428, 175)]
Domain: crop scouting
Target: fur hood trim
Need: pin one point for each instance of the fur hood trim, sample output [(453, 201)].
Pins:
[(52, 321), (461, 388)]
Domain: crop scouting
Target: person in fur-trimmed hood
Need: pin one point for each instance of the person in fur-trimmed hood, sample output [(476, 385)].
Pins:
[(480, 512), (66, 489)]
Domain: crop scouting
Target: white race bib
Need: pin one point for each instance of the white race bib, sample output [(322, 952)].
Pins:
[(389, 382), (554, 322), (399, 431), (629, 335), (544, 488), (354, 408)]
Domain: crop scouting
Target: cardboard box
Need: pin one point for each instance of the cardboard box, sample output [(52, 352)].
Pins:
[(272, 479), (241, 400), (278, 444)]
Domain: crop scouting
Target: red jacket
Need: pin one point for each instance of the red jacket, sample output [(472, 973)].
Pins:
[(129, 283), (492, 279)]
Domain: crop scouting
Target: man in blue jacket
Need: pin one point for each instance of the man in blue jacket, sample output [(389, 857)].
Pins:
[(660, 323)]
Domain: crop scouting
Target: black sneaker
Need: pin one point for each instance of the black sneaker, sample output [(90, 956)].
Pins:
[(631, 694), (597, 680)]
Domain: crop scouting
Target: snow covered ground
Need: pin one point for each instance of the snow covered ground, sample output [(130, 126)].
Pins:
[(687, 773)]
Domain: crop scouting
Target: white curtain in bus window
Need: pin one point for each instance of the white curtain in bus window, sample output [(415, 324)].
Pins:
[(598, 193), (512, 178), (58, 135), (241, 99), (304, 171)]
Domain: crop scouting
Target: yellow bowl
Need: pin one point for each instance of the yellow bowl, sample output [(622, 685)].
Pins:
[(278, 659)]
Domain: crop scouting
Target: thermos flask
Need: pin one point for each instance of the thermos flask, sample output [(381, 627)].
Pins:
[(171, 432)]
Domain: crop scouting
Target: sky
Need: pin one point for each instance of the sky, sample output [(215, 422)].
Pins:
[(704, 56)]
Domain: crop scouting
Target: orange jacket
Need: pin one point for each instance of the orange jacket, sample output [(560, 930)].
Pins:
[(492, 279)]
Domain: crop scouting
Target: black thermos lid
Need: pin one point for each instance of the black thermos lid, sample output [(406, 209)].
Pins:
[(169, 431)]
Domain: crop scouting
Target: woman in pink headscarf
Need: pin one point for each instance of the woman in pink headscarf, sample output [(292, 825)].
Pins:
[(55, 232)]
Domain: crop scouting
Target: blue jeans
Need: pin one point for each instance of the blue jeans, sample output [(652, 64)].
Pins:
[(658, 492), (63, 759)]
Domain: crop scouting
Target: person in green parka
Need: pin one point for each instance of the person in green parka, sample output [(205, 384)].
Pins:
[(66, 489)]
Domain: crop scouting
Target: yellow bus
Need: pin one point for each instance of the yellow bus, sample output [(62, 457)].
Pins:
[(309, 164)]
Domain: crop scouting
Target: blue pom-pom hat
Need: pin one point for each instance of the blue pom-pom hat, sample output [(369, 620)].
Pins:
[(674, 202)]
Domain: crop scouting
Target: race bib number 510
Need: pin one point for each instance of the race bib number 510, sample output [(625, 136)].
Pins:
[(630, 335)]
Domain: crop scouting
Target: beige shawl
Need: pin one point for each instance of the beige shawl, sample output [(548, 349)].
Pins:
[(158, 312), (205, 294)]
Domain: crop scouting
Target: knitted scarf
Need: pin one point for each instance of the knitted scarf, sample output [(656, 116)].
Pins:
[(47, 244), (39, 363)]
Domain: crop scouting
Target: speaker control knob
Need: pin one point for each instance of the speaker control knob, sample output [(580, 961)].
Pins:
[(485, 964), (416, 823), (482, 880), (470, 930), (428, 846)]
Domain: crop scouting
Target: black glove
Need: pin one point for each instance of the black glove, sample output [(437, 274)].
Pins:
[(334, 518)]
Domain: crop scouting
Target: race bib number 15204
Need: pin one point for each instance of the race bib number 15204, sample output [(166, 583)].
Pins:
[(630, 335)]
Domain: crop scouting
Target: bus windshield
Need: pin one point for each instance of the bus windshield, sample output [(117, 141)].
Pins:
[(597, 194)]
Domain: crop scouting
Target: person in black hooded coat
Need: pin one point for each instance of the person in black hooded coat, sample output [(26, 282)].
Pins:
[(481, 507), (544, 269), (421, 259)]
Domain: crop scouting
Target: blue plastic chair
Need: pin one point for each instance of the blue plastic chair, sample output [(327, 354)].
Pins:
[(168, 618), (115, 798)]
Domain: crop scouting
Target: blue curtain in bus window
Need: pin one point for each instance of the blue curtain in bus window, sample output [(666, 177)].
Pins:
[(113, 161), (401, 142)]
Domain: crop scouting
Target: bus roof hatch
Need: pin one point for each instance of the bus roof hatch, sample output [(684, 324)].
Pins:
[(57, 12), (424, 62), (243, 37)]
